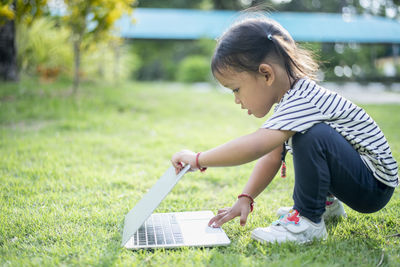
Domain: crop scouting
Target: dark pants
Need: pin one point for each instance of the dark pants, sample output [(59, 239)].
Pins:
[(325, 163)]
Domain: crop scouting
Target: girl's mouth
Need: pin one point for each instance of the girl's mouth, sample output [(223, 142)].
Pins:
[(249, 112)]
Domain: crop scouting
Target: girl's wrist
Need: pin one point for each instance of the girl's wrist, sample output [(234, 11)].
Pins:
[(198, 166), (249, 198)]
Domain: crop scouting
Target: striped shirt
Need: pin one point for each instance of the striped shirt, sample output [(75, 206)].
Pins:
[(307, 104)]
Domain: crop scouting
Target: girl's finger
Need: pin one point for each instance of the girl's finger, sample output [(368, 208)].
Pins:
[(243, 218), (223, 210), (215, 218), (229, 216), (177, 165)]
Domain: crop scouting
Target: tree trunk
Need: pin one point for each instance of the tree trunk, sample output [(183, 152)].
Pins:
[(116, 61), (77, 63), (8, 52)]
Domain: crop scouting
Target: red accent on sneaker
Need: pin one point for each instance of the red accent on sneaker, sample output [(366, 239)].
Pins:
[(293, 217)]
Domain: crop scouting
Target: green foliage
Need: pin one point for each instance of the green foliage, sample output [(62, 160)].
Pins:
[(72, 166), (194, 69), (109, 61), (91, 21), (6, 12), (157, 59), (170, 4), (45, 48), (355, 56), (95, 18), (43, 45), (198, 4), (160, 59), (22, 10)]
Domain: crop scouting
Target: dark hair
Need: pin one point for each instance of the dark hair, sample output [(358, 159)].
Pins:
[(246, 44)]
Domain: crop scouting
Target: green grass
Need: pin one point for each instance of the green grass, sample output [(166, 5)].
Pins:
[(72, 167)]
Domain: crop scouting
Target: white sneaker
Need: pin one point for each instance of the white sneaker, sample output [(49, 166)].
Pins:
[(335, 209), (291, 227)]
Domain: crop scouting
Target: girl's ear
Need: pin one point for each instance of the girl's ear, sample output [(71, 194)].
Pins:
[(268, 72)]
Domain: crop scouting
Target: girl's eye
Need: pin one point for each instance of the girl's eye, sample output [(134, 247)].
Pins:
[(235, 90)]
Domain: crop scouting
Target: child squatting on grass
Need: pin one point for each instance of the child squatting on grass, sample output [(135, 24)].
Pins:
[(339, 152)]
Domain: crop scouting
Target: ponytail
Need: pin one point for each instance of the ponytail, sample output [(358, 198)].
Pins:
[(298, 62)]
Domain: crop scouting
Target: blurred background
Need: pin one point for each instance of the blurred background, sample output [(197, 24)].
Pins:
[(99, 39)]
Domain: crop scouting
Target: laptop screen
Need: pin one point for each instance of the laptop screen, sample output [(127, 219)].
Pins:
[(150, 201)]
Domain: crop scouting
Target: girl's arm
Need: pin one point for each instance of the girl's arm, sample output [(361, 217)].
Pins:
[(239, 151), (264, 142), (263, 173)]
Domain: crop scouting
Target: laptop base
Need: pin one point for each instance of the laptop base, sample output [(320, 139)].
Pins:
[(178, 229)]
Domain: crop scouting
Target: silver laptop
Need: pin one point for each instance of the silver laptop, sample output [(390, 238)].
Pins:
[(143, 229)]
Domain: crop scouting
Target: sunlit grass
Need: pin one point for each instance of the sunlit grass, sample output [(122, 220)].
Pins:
[(72, 166)]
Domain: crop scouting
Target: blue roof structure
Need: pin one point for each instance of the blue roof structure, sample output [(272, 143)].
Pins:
[(153, 23)]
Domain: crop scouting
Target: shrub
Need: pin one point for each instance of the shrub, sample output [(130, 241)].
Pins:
[(158, 58), (109, 61), (43, 47), (194, 69)]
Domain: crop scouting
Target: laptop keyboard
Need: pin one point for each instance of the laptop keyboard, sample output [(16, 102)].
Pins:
[(159, 229)]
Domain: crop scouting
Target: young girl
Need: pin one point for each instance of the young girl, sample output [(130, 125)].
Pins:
[(338, 150)]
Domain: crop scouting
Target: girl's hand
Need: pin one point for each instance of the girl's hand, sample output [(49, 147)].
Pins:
[(182, 158), (240, 208)]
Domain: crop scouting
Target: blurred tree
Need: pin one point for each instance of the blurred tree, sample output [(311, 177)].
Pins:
[(12, 12), (198, 4), (90, 21), (170, 3), (222, 4)]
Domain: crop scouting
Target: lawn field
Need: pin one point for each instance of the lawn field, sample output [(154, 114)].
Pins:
[(71, 167)]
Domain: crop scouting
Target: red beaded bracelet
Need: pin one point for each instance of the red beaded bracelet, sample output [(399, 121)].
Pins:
[(251, 200), (202, 169)]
